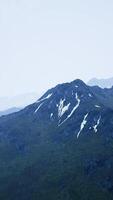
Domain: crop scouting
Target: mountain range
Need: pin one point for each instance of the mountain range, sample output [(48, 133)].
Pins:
[(103, 83), (60, 147)]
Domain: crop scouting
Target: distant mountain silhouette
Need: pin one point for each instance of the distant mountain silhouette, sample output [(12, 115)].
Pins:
[(103, 83), (9, 111), (19, 101)]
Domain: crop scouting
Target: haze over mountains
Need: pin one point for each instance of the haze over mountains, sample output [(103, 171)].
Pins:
[(9, 111), (103, 83), (59, 147), (15, 103)]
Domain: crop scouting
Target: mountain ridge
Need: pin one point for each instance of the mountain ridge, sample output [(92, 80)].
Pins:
[(60, 96)]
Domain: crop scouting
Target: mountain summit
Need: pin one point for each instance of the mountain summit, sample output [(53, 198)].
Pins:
[(59, 147), (73, 107)]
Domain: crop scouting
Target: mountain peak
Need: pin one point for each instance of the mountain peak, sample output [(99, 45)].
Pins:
[(78, 82), (74, 85)]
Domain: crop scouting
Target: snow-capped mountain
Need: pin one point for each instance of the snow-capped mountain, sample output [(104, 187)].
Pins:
[(59, 145), (103, 83)]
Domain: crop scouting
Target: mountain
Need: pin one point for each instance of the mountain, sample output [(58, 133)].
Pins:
[(10, 111), (60, 147), (103, 83), (19, 101)]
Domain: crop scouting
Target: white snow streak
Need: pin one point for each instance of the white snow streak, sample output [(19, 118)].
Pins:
[(77, 105), (90, 95), (97, 124), (97, 106), (62, 109), (51, 115), (82, 124), (49, 95), (38, 107)]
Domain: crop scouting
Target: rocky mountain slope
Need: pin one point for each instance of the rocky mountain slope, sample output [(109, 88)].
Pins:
[(60, 147)]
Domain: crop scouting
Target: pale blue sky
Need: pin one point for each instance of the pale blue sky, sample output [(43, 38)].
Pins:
[(46, 42)]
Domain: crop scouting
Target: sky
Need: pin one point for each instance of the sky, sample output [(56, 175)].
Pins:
[(46, 42)]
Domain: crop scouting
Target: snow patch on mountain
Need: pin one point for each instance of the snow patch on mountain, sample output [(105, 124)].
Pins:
[(49, 95), (89, 95), (97, 106), (62, 109), (38, 107), (51, 115), (77, 105), (82, 124), (96, 125)]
